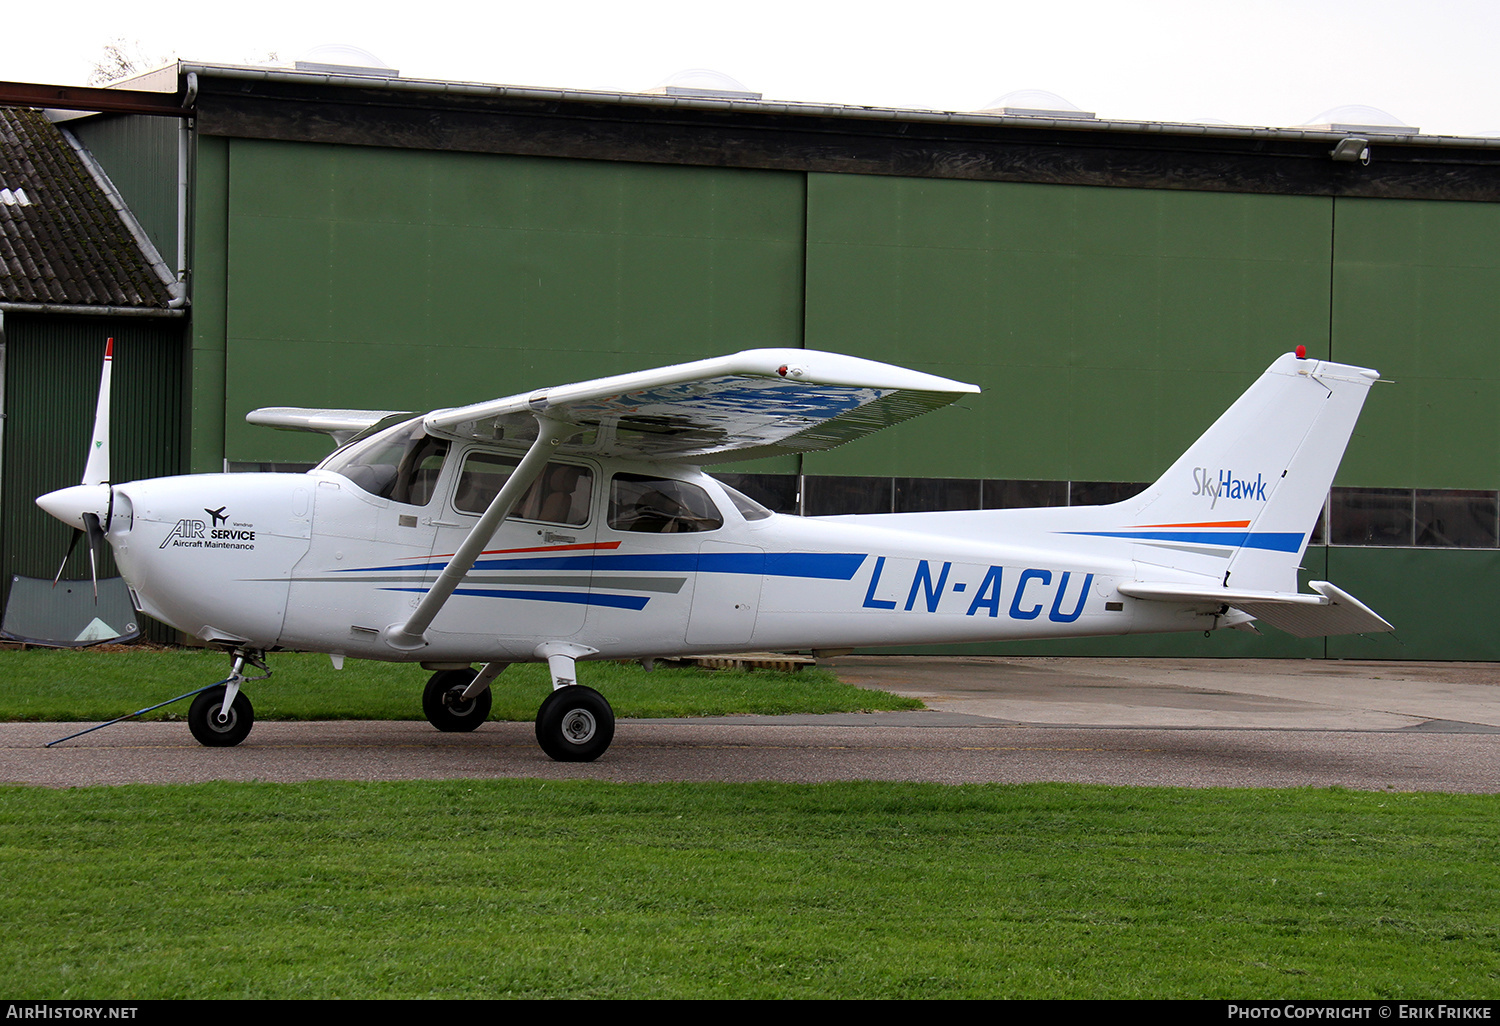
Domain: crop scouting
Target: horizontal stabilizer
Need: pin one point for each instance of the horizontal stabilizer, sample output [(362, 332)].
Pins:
[(1330, 611), (342, 425)]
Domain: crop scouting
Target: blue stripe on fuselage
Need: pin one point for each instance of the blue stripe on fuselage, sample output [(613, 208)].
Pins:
[(831, 566), (1275, 541)]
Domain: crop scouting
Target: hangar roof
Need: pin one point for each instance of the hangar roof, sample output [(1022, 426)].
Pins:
[(63, 242), (352, 109)]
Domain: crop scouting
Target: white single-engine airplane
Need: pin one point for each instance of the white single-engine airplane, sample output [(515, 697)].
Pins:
[(573, 523)]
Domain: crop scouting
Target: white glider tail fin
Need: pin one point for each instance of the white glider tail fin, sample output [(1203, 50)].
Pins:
[(1241, 503)]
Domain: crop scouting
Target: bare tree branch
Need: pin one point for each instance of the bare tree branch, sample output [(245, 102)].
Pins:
[(121, 60)]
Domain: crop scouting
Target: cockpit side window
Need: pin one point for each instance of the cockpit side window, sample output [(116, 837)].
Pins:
[(560, 495), (401, 464), (660, 505)]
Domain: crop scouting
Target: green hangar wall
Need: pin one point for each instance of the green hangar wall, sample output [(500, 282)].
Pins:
[(415, 280), (1108, 326)]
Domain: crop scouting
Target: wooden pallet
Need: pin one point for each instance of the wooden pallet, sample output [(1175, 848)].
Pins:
[(745, 661)]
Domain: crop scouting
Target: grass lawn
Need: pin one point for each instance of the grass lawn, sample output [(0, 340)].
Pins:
[(586, 889), (52, 684), (520, 888)]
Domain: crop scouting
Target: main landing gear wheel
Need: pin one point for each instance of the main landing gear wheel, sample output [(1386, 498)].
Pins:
[(575, 724), (445, 706), (214, 730)]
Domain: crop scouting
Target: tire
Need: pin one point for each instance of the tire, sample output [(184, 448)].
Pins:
[(575, 724), (444, 709), (203, 719)]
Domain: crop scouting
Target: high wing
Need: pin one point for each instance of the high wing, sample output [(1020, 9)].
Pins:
[(341, 425), (760, 402)]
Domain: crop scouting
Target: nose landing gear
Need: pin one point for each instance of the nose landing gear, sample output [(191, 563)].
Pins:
[(221, 717)]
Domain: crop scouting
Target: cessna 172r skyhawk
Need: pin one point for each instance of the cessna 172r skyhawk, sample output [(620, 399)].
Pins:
[(573, 523)]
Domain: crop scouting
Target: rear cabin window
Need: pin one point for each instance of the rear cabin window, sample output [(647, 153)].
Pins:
[(660, 505), (559, 496)]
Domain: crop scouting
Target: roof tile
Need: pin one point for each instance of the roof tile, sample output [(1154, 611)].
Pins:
[(67, 245)]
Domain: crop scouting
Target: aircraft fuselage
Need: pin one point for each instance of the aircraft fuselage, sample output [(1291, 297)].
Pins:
[(313, 561)]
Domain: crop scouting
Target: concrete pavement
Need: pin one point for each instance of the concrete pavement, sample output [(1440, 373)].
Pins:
[(1289, 694), (1168, 722)]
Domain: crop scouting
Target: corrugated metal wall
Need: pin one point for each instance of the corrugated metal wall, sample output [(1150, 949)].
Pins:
[(51, 383), (1416, 293)]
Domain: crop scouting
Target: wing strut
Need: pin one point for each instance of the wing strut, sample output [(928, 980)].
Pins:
[(408, 637)]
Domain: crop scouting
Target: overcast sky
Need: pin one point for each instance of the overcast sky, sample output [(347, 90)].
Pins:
[(1432, 65)]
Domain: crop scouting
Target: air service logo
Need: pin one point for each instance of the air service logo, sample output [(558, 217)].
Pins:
[(221, 533)]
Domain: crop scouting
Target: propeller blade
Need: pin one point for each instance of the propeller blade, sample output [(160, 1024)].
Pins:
[(82, 504), (96, 470), (96, 549), (72, 544)]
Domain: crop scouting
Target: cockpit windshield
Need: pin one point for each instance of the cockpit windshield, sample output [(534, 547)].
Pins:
[(748, 507), (401, 463), (388, 421)]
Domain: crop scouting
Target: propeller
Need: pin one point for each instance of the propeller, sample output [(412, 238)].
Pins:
[(90, 505)]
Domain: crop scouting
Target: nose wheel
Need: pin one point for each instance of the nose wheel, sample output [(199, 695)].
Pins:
[(221, 716), (212, 726)]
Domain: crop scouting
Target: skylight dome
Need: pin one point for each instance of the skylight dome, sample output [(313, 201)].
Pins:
[(343, 59), (1355, 117), (704, 82), (1035, 103)]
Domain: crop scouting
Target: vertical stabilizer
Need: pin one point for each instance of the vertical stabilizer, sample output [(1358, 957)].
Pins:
[(1241, 503)]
